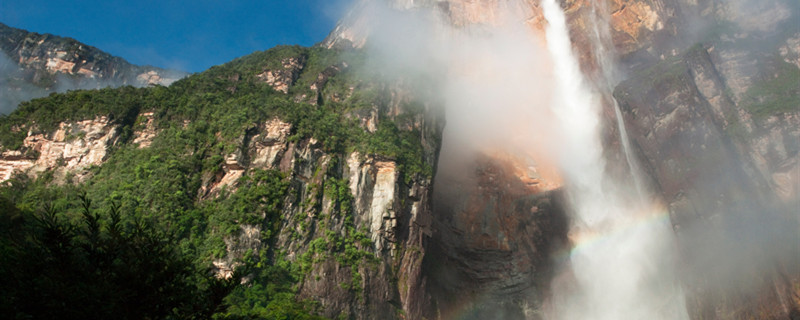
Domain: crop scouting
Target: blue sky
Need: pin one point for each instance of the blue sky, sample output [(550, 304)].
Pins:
[(187, 35)]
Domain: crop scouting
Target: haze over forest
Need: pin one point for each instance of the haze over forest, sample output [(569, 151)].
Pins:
[(402, 159)]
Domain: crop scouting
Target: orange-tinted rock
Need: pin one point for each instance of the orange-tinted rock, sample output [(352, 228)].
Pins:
[(282, 78), (496, 224), (71, 148)]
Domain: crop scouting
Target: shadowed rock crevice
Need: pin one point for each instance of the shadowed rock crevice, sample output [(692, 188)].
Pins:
[(490, 255)]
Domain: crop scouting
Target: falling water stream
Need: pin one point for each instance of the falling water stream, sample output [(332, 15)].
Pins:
[(622, 263), (633, 165)]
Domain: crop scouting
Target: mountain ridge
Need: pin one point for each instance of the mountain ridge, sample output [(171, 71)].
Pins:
[(35, 64), (316, 185)]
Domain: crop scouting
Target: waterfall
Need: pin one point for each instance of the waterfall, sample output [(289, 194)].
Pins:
[(622, 262), (630, 158)]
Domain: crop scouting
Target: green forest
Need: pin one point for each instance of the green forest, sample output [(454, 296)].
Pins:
[(135, 241)]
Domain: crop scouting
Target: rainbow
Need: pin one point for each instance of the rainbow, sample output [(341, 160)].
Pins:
[(651, 217), (655, 215)]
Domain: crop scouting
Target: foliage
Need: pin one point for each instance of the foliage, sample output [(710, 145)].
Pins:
[(144, 230), (44, 114), (778, 92), (269, 296), (403, 146), (351, 248), (257, 201), (97, 267)]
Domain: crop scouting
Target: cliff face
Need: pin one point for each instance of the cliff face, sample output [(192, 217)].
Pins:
[(711, 107), (70, 149), (36, 64), (353, 220), (376, 237), (497, 225), (723, 151)]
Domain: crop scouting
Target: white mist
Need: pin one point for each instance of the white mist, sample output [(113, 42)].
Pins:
[(506, 89), (622, 263)]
